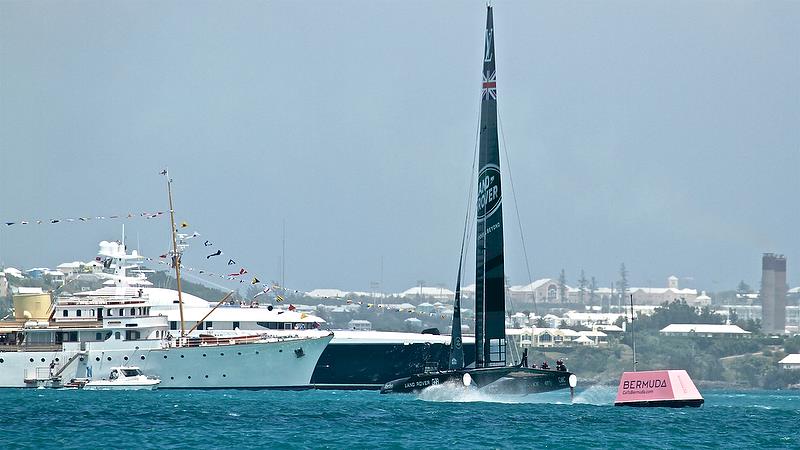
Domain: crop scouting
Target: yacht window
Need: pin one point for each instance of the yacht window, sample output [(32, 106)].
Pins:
[(91, 312), (132, 335), (200, 326), (98, 336), (209, 325), (269, 325), (121, 312), (235, 325), (110, 312), (131, 372), (133, 311), (116, 335), (287, 326), (78, 313), (65, 313), (108, 335), (173, 325)]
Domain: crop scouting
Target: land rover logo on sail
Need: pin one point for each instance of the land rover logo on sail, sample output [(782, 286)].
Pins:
[(488, 191)]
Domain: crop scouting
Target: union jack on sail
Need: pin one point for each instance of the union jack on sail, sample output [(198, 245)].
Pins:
[(489, 86)]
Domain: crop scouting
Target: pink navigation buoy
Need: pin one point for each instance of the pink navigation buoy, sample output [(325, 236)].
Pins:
[(671, 388)]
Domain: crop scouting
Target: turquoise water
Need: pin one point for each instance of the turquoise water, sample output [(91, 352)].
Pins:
[(444, 418)]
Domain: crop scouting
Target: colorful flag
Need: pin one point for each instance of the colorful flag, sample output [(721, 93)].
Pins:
[(231, 262), (278, 298), (255, 281)]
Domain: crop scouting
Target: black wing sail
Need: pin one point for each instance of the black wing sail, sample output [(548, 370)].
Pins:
[(490, 330), (456, 343)]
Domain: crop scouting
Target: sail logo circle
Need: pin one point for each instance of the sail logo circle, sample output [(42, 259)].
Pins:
[(488, 191)]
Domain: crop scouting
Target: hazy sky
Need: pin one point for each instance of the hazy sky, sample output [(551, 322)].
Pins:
[(665, 134)]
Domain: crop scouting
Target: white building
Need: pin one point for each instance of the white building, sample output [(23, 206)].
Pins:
[(327, 293), (439, 293), (703, 330), (791, 361), (546, 290), (359, 325)]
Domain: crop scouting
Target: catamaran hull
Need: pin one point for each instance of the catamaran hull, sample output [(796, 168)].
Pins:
[(501, 380), (286, 364)]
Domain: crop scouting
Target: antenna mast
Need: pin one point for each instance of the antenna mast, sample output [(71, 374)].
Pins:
[(633, 337), (176, 257)]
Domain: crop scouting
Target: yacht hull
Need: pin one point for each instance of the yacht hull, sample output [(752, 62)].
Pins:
[(280, 364), (369, 365)]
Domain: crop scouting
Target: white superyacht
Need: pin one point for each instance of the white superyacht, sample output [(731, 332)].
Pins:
[(50, 342)]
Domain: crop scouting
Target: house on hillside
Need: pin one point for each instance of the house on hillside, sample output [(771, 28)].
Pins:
[(703, 330)]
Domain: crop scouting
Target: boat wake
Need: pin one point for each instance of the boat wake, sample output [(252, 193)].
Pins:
[(596, 395), (458, 393)]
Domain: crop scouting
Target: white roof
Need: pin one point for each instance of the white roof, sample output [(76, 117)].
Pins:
[(532, 286), (428, 291), (703, 328), (14, 272), (29, 290), (592, 317), (70, 265), (793, 358), (661, 291), (583, 339), (592, 333), (323, 293)]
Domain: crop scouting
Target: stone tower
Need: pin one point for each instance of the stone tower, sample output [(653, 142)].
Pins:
[(773, 293)]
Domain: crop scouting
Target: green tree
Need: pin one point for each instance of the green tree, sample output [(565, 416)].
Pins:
[(562, 286), (582, 283), (743, 289), (678, 312), (592, 291), (733, 317), (622, 284)]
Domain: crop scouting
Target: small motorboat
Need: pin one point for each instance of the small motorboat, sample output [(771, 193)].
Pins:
[(123, 378)]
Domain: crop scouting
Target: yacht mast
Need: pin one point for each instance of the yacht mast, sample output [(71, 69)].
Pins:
[(176, 257)]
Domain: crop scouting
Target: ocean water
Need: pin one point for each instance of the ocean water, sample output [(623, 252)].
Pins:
[(442, 417)]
